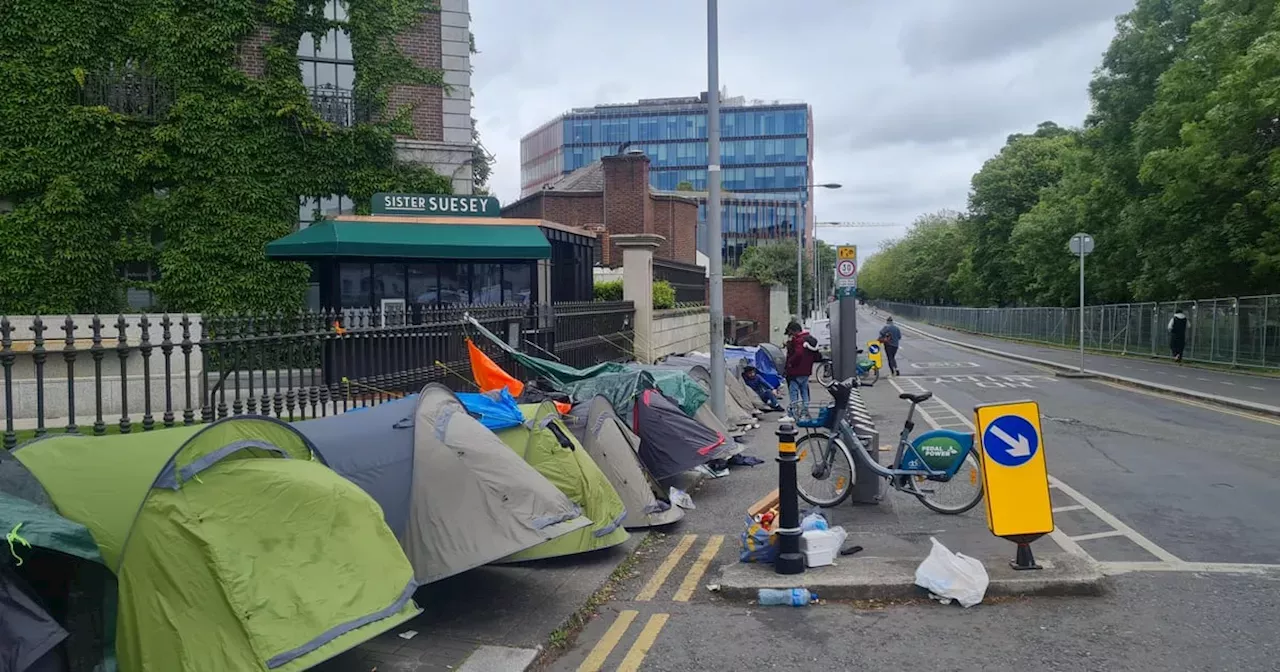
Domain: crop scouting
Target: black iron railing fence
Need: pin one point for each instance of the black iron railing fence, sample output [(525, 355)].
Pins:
[(188, 369), (689, 280)]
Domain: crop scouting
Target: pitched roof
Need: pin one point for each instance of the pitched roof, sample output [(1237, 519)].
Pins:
[(588, 178)]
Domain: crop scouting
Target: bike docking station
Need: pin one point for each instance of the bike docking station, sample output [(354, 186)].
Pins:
[(866, 483), (790, 559), (1015, 477)]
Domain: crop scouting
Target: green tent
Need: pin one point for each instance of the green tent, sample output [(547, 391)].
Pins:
[(59, 560), (548, 446), (233, 546)]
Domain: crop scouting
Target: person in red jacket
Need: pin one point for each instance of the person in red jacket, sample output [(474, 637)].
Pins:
[(802, 354)]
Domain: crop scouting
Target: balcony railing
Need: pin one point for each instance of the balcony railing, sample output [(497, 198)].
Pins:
[(340, 107), (127, 91)]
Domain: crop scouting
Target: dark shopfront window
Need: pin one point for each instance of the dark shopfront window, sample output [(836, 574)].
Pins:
[(365, 285)]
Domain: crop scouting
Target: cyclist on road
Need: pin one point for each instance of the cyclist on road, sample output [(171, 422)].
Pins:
[(802, 354), (891, 336)]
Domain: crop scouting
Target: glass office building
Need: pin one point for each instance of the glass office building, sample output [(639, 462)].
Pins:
[(766, 158)]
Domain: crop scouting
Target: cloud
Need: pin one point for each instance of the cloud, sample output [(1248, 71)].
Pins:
[(909, 99), (958, 32)]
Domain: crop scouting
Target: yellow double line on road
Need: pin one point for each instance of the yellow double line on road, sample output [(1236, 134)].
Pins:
[(653, 627)]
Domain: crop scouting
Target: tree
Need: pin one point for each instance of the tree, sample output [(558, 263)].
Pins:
[(775, 263), (684, 185)]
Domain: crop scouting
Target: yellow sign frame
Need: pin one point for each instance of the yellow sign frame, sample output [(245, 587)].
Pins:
[(1017, 498), (847, 252), (878, 356)]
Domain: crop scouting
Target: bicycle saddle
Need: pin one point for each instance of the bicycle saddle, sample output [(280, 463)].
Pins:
[(915, 398)]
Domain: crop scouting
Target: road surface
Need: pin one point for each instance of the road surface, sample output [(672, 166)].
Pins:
[(1175, 498)]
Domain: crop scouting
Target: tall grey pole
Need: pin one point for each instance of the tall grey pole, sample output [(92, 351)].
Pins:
[(800, 261), (1082, 253), (716, 252)]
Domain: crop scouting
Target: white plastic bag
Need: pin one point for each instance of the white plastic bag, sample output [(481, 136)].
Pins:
[(680, 498), (952, 576)]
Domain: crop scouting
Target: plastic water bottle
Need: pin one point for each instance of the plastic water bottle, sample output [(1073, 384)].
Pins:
[(796, 597)]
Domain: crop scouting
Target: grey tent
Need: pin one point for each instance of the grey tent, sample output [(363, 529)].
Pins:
[(454, 494), (742, 395), (670, 441), (738, 420), (614, 448), (57, 597), (737, 414)]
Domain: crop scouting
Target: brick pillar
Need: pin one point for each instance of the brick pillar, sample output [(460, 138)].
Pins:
[(627, 206), (637, 286)]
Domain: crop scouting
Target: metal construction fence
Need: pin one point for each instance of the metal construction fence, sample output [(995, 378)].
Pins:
[(1241, 331), (129, 373)]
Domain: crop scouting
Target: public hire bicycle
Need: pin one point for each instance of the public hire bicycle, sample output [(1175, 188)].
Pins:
[(940, 467)]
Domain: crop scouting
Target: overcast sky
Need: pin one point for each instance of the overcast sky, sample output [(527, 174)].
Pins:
[(909, 98)]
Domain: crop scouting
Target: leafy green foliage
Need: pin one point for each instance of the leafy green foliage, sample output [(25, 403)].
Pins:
[(200, 188), (664, 295), (609, 290), (775, 263), (1174, 174)]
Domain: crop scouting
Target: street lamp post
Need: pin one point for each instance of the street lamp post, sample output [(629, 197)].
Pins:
[(714, 234), (802, 220), (1081, 245)]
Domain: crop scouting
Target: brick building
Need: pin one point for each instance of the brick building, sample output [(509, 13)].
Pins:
[(440, 117), (610, 197)]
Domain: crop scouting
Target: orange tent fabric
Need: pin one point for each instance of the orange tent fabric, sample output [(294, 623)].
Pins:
[(562, 407), (490, 376)]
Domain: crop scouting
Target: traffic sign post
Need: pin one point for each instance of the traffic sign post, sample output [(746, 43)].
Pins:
[(846, 271), (1081, 245), (1015, 477)]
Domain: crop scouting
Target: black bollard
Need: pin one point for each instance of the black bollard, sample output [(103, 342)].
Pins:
[(790, 559)]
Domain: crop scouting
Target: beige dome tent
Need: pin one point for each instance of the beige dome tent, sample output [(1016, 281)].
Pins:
[(613, 446), (455, 496)]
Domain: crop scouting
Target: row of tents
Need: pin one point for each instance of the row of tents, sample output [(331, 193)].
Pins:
[(254, 544)]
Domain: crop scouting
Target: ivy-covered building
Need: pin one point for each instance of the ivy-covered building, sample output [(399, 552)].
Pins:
[(150, 150)]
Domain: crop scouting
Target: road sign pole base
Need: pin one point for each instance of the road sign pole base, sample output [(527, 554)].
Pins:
[(1024, 559)]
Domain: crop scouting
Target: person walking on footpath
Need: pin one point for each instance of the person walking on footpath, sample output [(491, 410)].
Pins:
[(802, 354), (890, 337), (1178, 334)]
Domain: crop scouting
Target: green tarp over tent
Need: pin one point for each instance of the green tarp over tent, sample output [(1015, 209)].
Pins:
[(617, 382), (234, 548), (549, 446)]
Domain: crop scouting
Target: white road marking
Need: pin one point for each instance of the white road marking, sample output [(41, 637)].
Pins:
[(1097, 535), (1125, 567), (1226, 383), (1067, 543), (1260, 389), (1069, 507), (1205, 380)]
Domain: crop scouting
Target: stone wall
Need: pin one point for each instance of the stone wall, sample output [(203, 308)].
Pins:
[(681, 330)]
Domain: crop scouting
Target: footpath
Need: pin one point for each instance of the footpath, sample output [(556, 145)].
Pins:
[(1258, 394)]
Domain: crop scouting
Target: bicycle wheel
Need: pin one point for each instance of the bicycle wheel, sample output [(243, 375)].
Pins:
[(825, 375), (824, 470), (870, 376), (961, 493)]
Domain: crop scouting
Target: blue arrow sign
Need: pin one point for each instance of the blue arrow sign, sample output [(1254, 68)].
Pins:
[(1010, 440)]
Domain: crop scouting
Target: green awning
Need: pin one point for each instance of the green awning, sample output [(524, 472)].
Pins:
[(331, 238)]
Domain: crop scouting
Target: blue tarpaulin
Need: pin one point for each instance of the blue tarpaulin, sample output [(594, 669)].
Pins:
[(495, 410), (757, 358)]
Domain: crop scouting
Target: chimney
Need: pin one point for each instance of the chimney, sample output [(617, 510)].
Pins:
[(627, 206)]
